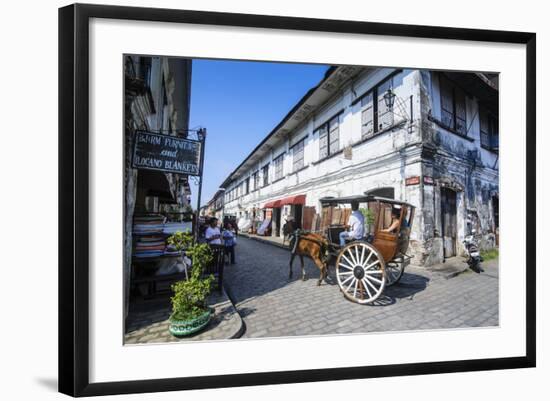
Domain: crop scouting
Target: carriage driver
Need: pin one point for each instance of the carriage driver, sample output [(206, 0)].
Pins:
[(356, 224)]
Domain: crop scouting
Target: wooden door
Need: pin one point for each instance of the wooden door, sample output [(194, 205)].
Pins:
[(308, 216), (448, 222)]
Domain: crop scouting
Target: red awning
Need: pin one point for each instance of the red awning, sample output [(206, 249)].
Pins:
[(272, 204), (291, 200), (294, 200)]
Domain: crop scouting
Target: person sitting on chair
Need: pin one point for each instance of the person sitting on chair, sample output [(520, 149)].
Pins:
[(356, 224)]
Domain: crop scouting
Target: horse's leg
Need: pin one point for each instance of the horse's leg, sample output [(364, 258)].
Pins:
[(290, 265), (303, 269), (319, 263), (326, 278)]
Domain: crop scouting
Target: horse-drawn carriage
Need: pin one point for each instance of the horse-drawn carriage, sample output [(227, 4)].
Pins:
[(363, 266)]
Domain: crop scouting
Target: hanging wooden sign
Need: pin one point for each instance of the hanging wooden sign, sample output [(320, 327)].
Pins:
[(166, 153), (412, 180)]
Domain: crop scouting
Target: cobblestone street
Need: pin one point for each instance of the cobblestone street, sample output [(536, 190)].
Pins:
[(271, 305)]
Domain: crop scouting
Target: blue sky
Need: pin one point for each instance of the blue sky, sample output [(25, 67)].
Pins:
[(239, 103)]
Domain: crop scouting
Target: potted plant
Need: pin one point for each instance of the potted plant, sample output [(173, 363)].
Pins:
[(369, 218), (190, 313), (179, 242)]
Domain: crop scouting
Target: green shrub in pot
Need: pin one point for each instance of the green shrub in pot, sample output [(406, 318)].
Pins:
[(190, 313)]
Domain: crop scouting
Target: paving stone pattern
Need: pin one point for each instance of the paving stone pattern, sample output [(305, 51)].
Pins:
[(148, 322), (272, 306)]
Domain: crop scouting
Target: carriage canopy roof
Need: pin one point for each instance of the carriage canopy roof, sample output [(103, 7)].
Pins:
[(361, 199)]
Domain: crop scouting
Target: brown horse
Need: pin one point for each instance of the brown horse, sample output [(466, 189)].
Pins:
[(314, 246)]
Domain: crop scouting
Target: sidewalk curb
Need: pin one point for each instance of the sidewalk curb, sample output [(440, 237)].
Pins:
[(242, 329), (264, 241), (455, 273), (447, 275)]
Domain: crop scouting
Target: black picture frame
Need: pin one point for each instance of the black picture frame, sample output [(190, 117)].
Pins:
[(74, 198)]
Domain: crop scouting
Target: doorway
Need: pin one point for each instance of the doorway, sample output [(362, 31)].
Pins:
[(298, 216), (276, 223), (496, 220), (495, 212), (448, 222)]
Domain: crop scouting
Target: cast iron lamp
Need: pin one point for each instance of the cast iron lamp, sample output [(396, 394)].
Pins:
[(389, 98)]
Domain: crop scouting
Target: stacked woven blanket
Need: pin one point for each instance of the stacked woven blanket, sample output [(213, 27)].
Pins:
[(149, 224)]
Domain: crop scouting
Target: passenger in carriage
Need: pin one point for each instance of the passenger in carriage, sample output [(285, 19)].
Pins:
[(356, 225), (394, 221)]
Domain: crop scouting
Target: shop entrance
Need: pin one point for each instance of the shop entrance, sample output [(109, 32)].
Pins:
[(448, 222), (276, 223), (298, 216)]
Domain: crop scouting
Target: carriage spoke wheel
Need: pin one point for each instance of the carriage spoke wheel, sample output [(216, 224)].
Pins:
[(360, 272), (394, 271)]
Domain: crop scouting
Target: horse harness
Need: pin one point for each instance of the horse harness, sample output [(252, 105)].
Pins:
[(298, 235)]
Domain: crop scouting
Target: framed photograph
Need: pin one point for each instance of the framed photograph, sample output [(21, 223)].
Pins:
[(253, 199)]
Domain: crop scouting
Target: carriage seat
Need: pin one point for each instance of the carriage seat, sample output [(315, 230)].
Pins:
[(368, 238)]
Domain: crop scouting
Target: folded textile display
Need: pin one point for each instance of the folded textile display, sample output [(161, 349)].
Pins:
[(244, 224), (148, 228), (264, 226), (148, 254), (149, 224), (151, 232)]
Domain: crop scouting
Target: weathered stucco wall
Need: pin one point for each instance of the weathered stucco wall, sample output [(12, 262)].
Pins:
[(145, 110), (460, 164), (421, 148)]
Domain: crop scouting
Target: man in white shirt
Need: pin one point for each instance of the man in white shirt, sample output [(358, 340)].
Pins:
[(356, 224), (212, 234)]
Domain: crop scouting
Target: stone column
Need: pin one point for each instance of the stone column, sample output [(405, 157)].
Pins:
[(130, 190)]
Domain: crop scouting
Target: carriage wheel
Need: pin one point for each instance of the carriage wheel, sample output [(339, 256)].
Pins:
[(394, 271), (360, 272)]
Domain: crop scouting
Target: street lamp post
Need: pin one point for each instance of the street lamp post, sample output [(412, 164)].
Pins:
[(222, 190)]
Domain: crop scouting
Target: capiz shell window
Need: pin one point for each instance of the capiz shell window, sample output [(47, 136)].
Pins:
[(278, 165), (298, 155)]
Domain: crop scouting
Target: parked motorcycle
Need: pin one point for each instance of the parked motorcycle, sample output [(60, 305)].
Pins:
[(474, 257)]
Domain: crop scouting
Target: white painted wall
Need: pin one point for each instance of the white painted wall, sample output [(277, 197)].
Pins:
[(321, 175), (384, 160)]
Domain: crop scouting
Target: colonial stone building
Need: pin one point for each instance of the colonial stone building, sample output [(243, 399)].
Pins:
[(157, 98), (214, 207), (429, 138)]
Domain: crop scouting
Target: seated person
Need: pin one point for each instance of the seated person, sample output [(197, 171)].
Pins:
[(356, 224), (394, 222)]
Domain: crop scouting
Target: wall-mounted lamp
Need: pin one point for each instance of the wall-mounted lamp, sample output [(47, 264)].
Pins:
[(389, 98)]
